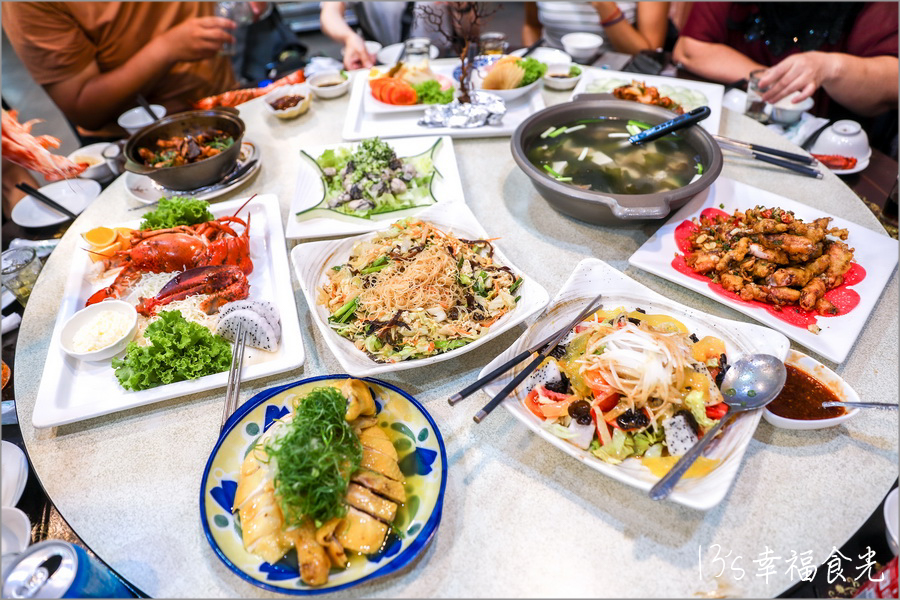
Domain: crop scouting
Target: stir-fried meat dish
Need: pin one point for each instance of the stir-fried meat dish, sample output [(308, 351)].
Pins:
[(766, 254), (182, 150), (639, 91)]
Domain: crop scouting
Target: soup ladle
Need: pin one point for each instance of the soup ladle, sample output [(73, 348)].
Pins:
[(667, 127), (751, 383)]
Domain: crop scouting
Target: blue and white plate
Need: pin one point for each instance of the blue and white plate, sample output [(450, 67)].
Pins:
[(423, 461)]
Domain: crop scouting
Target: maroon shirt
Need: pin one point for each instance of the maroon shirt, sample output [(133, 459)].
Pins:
[(874, 33)]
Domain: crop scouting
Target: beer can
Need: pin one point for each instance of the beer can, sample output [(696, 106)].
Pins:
[(57, 569)]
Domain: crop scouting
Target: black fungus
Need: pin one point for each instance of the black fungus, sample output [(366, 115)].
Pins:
[(694, 338), (723, 368), (580, 409), (633, 420), (641, 310), (634, 321), (559, 352), (584, 420), (560, 387)]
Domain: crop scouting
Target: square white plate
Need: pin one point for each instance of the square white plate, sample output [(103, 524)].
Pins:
[(309, 191), (874, 252), (592, 276), (313, 259), (377, 107), (360, 124), (714, 92), (73, 390)]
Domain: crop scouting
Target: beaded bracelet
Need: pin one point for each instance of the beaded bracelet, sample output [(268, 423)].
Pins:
[(618, 18)]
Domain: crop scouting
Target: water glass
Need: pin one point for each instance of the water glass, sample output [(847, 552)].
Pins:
[(417, 50), (756, 106), (493, 42), (19, 272), (240, 13)]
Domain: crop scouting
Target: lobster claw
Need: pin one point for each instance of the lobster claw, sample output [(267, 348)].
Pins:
[(223, 283)]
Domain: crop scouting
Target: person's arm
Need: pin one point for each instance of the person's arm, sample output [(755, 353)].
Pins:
[(91, 98), (716, 62), (650, 34), (333, 24), (531, 28), (867, 86)]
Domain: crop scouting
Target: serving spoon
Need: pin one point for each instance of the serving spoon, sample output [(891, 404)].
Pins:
[(751, 383)]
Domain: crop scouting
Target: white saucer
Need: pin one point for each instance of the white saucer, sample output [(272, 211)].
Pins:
[(16, 531), (14, 467), (73, 194), (145, 190)]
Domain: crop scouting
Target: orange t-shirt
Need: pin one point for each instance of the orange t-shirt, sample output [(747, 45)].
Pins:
[(56, 40)]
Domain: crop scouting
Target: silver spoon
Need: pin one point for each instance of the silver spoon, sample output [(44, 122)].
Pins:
[(852, 405), (750, 383)]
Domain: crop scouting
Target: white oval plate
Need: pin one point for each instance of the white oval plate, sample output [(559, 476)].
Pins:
[(312, 260), (827, 377), (73, 194), (593, 276)]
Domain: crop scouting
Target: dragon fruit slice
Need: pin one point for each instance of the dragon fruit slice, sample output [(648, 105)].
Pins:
[(263, 308), (260, 333), (680, 436)]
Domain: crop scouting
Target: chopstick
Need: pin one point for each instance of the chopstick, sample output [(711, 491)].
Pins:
[(48, 201), (533, 47), (545, 351), (806, 160), (802, 170), (232, 391), (146, 106)]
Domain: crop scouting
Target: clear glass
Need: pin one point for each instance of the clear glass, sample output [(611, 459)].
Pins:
[(20, 270), (492, 42), (417, 50), (240, 13), (756, 106)]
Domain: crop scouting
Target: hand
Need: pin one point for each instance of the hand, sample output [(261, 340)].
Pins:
[(355, 54), (804, 72), (197, 39)]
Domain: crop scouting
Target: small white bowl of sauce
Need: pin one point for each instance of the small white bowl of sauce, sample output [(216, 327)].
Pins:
[(99, 331), (809, 383)]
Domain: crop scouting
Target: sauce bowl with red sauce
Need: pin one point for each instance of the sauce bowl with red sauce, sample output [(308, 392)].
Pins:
[(809, 383)]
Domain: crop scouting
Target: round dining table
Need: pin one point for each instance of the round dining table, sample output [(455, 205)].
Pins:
[(519, 517)]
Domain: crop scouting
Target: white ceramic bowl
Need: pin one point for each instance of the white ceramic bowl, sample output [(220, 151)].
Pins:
[(84, 316), (16, 531), (507, 95), (891, 517), (830, 379), (582, 47), (389, 54), (547, 56), (297, 89), (561, 83), (785, 111), (317, 81), (14, 473), (93, 154), (135, 119), (844, 138)]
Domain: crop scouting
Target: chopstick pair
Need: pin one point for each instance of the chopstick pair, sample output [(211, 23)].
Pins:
[(761, 153), (233, 389), (40, 197), (543, 348)]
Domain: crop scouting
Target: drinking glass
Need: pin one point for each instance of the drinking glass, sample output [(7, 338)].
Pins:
[(493, 42), (19, 272), (240, 13), (756, 106), (417, 50)]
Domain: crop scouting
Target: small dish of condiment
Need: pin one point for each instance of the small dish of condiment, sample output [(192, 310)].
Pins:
[(809, 384), (329, 84), (99, 331), (562, 76), (289, 101)]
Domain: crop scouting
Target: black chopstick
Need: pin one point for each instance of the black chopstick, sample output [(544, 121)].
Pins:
[(146, 106), (533, 47), (800, 169), (553, 343), (48, 201), (800, 158)]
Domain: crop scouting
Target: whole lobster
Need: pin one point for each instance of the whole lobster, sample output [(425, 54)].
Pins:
[(179, 248)]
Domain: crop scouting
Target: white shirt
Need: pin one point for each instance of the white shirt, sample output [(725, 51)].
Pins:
[(560, 18)]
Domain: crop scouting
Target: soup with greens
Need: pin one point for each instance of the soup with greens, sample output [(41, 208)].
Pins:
[(594, 154)]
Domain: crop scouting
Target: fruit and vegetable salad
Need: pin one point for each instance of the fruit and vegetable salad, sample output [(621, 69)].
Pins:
[(626, 383)]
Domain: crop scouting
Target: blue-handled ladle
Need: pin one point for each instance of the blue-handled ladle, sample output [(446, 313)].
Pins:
[(667, 127)]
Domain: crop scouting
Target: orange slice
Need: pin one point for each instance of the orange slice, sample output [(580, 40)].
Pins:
[(99, 237), (124, 236), (106, 252)]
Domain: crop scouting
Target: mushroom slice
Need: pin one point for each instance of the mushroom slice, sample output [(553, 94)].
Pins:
[(359, 398), (325, 536)]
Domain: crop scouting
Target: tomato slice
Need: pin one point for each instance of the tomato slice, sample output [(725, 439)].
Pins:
[(403, 94), (716, 411), (384, 93), (532, 404), (559, 407)]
